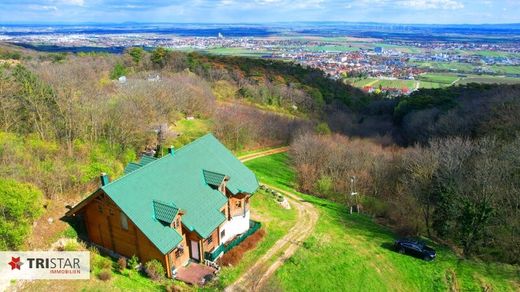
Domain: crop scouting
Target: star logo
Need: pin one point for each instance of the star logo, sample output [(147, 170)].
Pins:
[(15, 263)]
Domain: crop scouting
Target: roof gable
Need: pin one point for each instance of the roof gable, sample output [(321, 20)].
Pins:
[(213, 178), (164, 212)]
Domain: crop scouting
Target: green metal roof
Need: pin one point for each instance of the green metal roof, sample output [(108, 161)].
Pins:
[(179, 179), (213, 178), (132, 166), (164, 212), (145, 159)]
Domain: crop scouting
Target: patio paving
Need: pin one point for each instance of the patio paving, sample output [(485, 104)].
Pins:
[(195, 274)]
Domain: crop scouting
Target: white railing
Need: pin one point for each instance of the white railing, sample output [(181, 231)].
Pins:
[(212, 264)]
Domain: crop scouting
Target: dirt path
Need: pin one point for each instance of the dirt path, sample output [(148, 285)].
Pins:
[(263, 153), (256, 277)]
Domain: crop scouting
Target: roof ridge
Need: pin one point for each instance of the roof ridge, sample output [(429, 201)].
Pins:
[(160, 158)]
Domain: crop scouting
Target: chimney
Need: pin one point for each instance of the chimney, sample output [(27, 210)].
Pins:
[(171, 150), (104, 179)]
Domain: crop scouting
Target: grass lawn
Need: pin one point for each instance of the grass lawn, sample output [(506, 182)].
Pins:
[(352, 253), (189, 130)]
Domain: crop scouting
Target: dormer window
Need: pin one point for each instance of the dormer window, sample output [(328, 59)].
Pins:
[(166, 213), (215, 180)]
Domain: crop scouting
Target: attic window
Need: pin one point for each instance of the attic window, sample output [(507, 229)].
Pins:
[(213, 179), (165, 212)]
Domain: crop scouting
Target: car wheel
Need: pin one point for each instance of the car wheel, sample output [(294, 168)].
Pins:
[(401, 250), (427, 258)]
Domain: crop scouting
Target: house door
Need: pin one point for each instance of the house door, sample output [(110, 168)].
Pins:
[(195, 250)]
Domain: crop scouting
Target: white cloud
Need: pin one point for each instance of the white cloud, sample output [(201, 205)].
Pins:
[(43, 7), (416, 4), (71, 2), (432, 4)]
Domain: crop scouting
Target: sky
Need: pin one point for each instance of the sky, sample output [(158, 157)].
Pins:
[(259, 11)]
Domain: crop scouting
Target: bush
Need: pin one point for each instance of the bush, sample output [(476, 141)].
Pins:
[(121, 264), (172, 288), (101, 262), (105, 275), (72, 246), (234, 256), (20, 205), (154, 269), (133, 262)]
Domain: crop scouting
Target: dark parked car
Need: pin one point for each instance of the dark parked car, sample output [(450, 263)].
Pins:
[(415, 248)]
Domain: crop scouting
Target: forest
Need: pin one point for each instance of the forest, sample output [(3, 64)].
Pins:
[(440, 162)]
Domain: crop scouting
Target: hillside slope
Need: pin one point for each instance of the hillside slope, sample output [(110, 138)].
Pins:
[(353, 253)]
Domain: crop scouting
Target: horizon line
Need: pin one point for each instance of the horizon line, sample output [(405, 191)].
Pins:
[(251, 23)]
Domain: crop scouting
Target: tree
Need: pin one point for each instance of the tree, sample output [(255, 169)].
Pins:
[(118, 71), (159, 56), (137, 54), (20, 205)]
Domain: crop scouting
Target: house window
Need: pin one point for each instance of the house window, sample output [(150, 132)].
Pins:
[(222, 233), (179, 251), (100, 208), (124, 221), (238, 204), (176, 223), (209, 239)]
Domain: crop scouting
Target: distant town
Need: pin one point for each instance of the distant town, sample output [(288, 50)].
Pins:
[(391, 66)]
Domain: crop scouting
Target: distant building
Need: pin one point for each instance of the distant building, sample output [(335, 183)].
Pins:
[(122, 79), (220, 35), (378, 50)]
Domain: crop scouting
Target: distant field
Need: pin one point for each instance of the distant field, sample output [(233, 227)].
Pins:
[(374, 82), (391, 83), (236, 52), (506, 69), (432, 80), (493, 54), (444, 78), (488, 79), (447, 66), (333, 48)]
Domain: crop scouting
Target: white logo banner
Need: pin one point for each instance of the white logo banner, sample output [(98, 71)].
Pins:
[(50, 265)]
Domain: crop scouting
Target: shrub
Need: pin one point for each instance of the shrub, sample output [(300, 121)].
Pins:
[(232, 257), (72, 246), (121, 263), (101, 262), (105, 275), (133, 262), (154, 269), (20, 205), (172, 288)]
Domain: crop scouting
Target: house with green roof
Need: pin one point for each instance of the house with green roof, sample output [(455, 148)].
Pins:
[(175, 209)]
